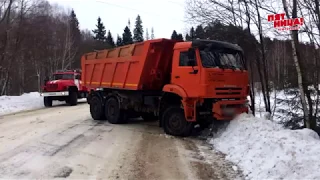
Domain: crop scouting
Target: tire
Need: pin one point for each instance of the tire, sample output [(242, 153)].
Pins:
[(47, 101), (73, 98), (113, 113), (174, 122), (96, 108), (149, 117)]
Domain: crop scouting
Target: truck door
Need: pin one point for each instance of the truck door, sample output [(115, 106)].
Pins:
[(185, 71)]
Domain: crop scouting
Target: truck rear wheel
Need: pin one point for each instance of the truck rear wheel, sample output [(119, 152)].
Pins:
[(73, 98), (47, 101), (174, 122), (96, 108), (113, 113)]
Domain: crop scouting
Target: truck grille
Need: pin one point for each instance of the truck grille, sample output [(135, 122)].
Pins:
[(52, 86), (228, 91)]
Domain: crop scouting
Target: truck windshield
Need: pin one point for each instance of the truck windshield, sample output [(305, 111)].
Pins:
[(63, 76), (224, 59)]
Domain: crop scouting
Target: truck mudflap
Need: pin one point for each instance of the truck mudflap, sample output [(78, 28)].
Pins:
[(228, 109), (62, 93)]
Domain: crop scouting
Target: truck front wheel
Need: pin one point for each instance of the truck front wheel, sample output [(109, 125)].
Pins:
[(96, 108), (174, 122), (73, 98), (47, 101), (113, 113)]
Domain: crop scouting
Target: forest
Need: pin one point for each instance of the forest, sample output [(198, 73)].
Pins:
[(37, 38), (278, 61)]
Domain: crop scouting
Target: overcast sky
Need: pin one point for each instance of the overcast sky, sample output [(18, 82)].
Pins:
[(163, 15)]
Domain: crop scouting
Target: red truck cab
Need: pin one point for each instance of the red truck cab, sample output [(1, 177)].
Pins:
[(64, 86)]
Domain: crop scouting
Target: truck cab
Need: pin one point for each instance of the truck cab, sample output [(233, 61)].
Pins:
[(64, 86), (213, 77)]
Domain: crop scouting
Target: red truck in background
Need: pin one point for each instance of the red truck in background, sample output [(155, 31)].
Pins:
[(64, 86), (179, 83)]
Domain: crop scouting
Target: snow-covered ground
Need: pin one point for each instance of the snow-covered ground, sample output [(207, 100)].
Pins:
[(27, 101), (280, 106), (263, 149)]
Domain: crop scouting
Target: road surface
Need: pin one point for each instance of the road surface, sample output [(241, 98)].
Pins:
[(64, 142)]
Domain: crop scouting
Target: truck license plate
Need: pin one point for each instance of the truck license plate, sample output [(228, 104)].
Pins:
[(229, 111)]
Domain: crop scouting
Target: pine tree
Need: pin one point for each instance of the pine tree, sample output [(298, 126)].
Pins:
[(192, 33), (100, 32), (74, 26), (199, 33), (188, 38), (138, 30), (127, 36), (147, 34), (180, 37), (119, 41), (152, 33), (174, 35), (75, 39), (129, 24), (110, 40)]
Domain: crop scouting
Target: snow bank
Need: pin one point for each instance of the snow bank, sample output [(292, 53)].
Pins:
[(27, 101), (265, 150)]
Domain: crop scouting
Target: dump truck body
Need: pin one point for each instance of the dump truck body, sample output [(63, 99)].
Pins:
[(142, 66), (192, 81)]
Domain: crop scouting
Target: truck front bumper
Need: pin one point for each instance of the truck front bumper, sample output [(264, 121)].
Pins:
[(227, 110), (60, 93)]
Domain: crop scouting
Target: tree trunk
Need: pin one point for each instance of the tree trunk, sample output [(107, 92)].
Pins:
[(297, 63), (263, 75)]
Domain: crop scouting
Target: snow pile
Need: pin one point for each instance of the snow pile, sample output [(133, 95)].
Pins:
[(27, 101), (265, 150)]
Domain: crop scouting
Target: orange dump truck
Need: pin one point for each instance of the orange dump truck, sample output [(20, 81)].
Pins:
[(179, 83)]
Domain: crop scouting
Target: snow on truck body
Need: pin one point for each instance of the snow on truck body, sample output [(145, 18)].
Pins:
[(65, 86), (181, 83)]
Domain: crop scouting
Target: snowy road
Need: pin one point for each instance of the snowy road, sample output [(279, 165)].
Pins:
[(64, 141)]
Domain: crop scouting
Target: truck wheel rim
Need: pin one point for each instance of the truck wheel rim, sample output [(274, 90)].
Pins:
[(175, 122)]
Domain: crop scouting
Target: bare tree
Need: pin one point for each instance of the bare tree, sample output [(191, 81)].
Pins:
[(298, 64)]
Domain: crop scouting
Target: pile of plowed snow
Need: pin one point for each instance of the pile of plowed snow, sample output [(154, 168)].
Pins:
[(265, 150), (27, 101)]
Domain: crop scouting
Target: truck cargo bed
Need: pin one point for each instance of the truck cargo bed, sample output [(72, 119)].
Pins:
[(139, 66)]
